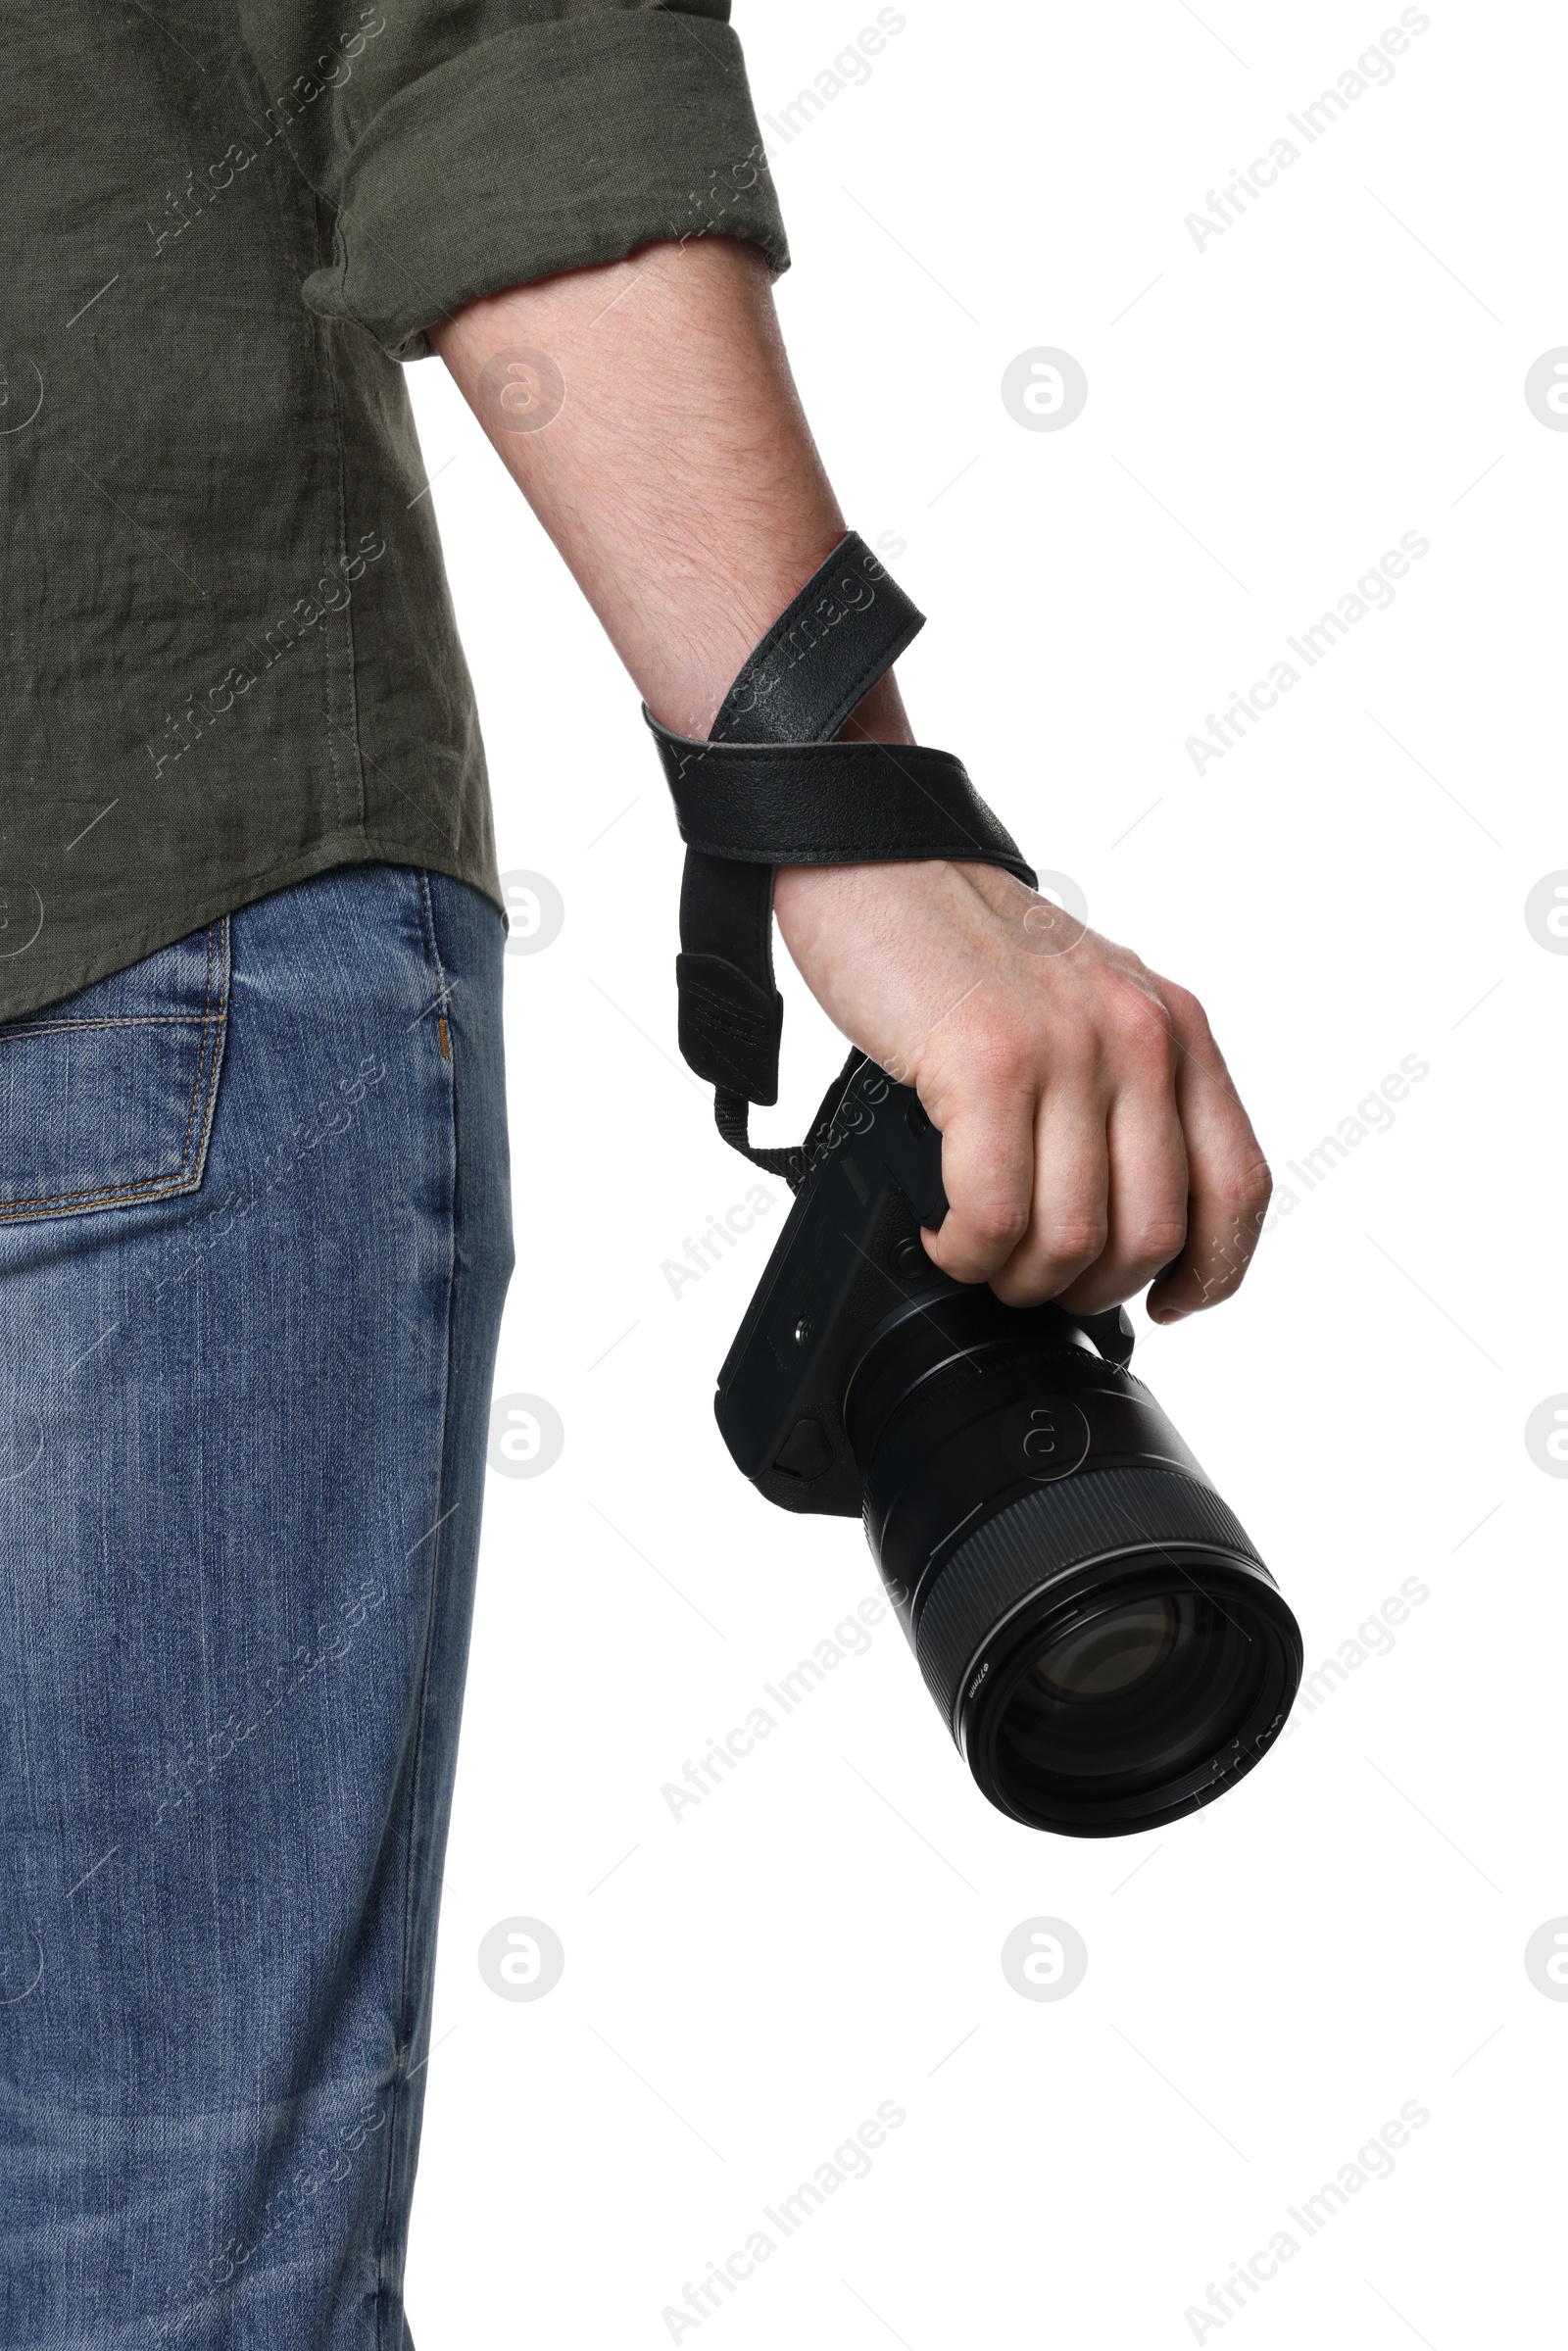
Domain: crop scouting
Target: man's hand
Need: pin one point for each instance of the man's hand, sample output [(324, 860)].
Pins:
[(1081, 1101), (1090, 1130)]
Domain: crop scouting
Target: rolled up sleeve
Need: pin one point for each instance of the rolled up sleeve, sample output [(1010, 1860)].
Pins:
[(462, 149)]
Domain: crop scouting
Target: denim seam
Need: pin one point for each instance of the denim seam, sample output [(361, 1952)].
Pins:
[(119, 1020), (110, 1196), (421, 1706), (432, 948), (443, 997)]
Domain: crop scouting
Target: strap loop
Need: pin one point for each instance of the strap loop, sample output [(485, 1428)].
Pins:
[(772, 787), (829, 803), (793, 1161), (823, 655), (732, 1116)]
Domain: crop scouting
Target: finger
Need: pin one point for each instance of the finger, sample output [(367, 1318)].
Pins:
[(1148, 1180), (988, 1155), (1228, 1175), (1069, 1219)]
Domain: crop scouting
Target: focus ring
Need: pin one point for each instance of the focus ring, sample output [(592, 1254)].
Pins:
[(1053, 1529)]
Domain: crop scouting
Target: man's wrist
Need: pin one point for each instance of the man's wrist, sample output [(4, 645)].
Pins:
[(881, 717)]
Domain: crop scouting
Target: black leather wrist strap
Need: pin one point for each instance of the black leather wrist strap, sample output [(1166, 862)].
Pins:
[(772, 787)]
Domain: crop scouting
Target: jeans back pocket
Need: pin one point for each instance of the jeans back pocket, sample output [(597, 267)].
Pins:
[(107, 1097)]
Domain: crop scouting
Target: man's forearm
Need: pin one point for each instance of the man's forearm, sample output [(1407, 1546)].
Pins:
[(678, 477), (1090, 1128)]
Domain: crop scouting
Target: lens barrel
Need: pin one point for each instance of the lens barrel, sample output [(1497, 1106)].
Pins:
[(1103, 1638)]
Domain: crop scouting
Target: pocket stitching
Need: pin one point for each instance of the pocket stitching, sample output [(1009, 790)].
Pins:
[(119, 1020), (183, 1180)]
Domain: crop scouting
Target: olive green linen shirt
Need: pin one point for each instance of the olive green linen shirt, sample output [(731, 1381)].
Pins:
[(228, 657)]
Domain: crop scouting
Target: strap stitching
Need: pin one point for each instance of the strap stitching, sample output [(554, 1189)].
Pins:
[(851, 554)]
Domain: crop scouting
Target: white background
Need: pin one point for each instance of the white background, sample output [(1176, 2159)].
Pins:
[(1346, 1932)]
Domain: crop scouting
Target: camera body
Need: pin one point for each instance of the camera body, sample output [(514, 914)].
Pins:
[(1105, 1642), (850, 1264), (850, 1251)]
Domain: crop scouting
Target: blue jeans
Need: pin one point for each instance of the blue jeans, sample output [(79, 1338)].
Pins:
[(255, 1236)]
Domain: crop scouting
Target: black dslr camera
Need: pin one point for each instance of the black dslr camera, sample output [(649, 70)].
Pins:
[(1102, 1639)]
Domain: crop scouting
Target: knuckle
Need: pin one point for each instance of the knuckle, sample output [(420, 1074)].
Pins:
[(1248, 1191), (1183, 1004), (1022, 1290), (1143, 1028), (998, 1222), (1001, 1060), (1189, 1020), (1157, 1239), (1077, 1240)]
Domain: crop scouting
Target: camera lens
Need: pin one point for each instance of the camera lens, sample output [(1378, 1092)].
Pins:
[(1105, 1643), (1130, 1693), (1099, 1662)]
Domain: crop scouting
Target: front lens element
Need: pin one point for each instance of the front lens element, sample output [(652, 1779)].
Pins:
[(1099, 1662), (1132, 1695)]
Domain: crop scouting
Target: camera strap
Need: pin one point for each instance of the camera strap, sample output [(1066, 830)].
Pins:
[(773, 786)]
